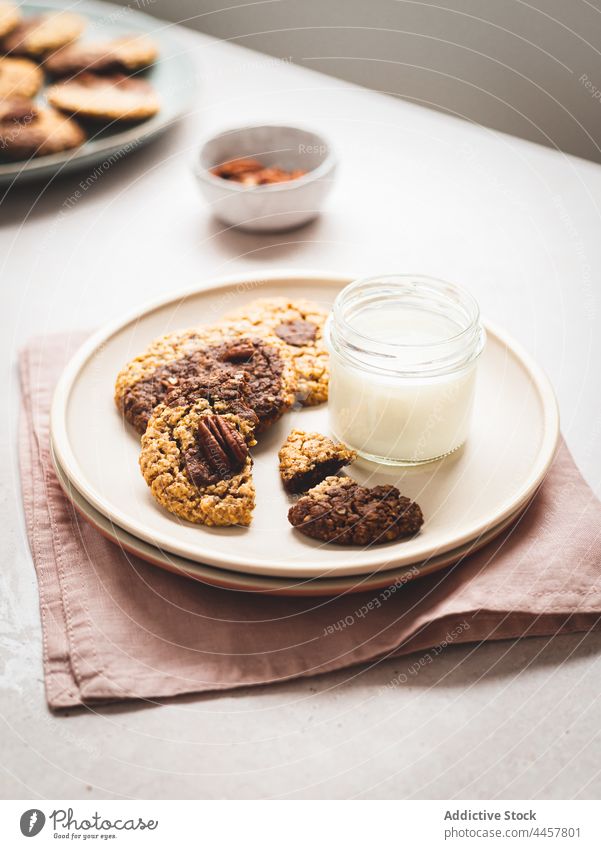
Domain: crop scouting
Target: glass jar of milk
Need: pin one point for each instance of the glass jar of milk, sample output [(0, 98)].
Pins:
[(404, 351)]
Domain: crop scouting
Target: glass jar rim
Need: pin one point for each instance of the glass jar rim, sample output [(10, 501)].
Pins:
[(433, 357), (466, 296)]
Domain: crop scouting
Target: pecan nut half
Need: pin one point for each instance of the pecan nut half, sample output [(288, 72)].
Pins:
[(220, 451)]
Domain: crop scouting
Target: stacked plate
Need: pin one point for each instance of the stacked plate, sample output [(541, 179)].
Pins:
[(467, 499)]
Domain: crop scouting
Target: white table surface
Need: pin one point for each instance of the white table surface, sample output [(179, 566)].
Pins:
[(417, 191)]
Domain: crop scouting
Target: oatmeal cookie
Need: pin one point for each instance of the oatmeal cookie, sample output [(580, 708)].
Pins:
[(114, 97), (19, 77), (28, 131), (128, 54), (299, 324), (308, 458), (9, 18), (196, 461), (39, 35), (199, 355), (339, 510)]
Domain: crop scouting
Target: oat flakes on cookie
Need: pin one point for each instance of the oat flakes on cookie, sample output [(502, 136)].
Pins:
[(128, 54), (196, 461), (19, 77), (10, 17), (43, 33), (308, 458), (299, 324), (114, 97), (199, 355), (338, 510), (28, 131)]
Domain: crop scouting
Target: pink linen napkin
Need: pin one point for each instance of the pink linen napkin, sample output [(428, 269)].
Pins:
[(115, 627)]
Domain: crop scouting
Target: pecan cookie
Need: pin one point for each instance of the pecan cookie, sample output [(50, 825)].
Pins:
[(308, 458), (201, 356), (19, 78), (339, 510), (28, 131), (299, 324), (195, 460), (39, 35), (108, 98), (127, 54), (9, 18)]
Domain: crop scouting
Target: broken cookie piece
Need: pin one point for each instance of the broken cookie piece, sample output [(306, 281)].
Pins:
[(308, 458), (338, 510)]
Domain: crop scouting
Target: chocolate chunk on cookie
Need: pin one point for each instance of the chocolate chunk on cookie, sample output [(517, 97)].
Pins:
[(308, 458), (195, 460), (19, 77), (195, 361), (299, 324), (28, 131), (39, 35), (297, 332), (338, 510), (127, 54), (10, 17), (114, 97)]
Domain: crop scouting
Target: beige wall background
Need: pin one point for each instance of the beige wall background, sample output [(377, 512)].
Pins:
[(532, 68)]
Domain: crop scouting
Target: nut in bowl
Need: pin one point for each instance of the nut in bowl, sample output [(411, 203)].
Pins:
[(265, 178)]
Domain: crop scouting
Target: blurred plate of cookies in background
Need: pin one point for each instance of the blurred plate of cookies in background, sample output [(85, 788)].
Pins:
[(79, 86)]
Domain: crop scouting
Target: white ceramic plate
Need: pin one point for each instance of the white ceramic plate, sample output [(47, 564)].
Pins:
[(262, 583), (173, 76), (512, 442)]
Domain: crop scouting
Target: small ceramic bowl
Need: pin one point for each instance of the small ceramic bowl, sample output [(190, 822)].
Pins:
[(278, 206)]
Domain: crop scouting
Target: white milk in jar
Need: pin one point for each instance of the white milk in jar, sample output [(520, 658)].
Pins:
[(404, 352)]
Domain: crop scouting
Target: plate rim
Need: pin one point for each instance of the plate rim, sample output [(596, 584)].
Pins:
[(268, 584), (375, 561), (65, 161)]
